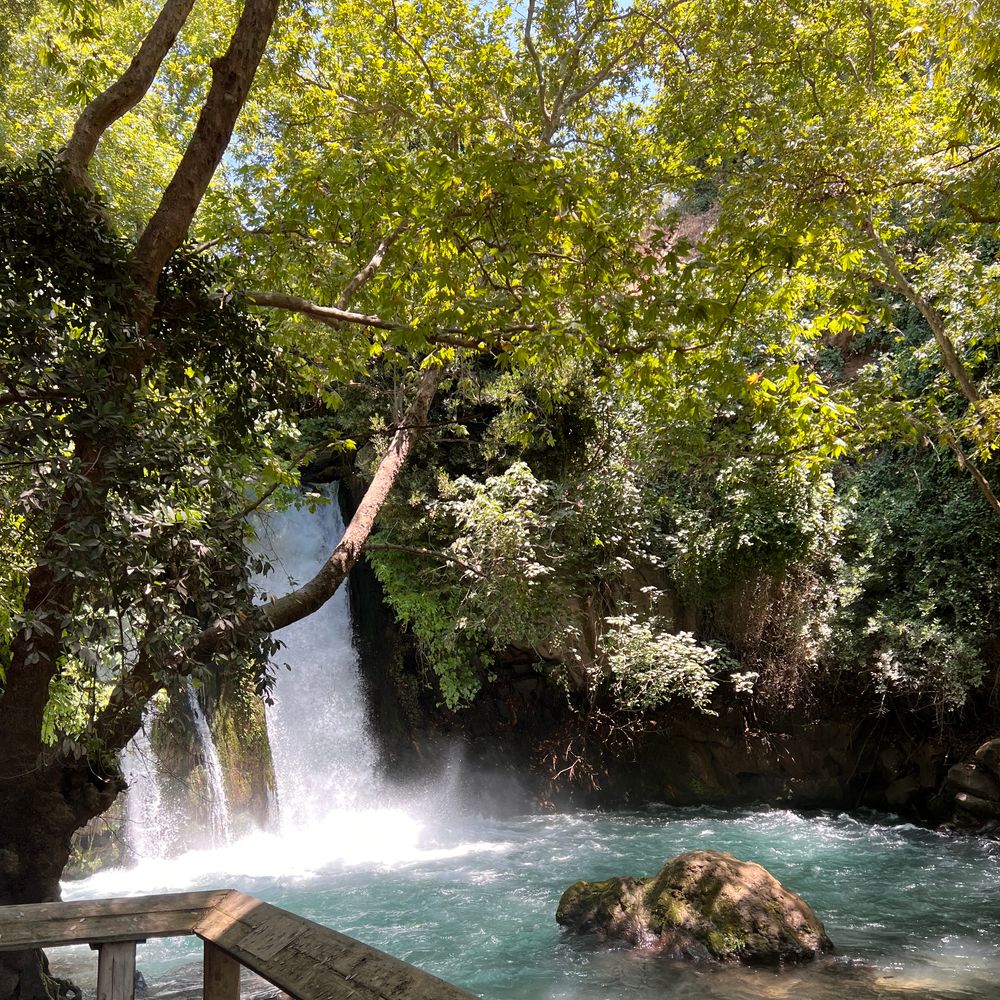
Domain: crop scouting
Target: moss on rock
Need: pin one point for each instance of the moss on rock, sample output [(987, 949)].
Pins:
[(700, 904)]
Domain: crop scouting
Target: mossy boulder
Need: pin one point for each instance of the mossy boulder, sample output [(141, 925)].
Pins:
[(702, 904)]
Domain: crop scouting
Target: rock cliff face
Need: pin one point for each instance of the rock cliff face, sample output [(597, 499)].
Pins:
[(521, 726), (521, 723), (239, 728), (702, 904)]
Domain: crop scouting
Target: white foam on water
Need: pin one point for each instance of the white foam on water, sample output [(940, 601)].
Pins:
[(372, 838), (334, 809), (148, 830)]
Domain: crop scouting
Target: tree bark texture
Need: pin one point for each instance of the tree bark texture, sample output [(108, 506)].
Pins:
[(232, 76), (45, 794), (316, 592), (126, 92)]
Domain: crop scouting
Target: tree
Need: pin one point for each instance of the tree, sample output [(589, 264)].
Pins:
[(430, 190), (852, 151), (135, 383)]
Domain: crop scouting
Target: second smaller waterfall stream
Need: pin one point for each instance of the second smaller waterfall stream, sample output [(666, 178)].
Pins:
[(147, 829), (218, 806)]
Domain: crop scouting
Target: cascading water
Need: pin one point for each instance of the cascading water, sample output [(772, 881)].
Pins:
[(218, 806), (332, 802), (148, 830), (333, 807), (323, 755), (914, 913), (160, 818)]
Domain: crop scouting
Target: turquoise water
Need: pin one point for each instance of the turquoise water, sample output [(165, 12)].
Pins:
[(913, 913)]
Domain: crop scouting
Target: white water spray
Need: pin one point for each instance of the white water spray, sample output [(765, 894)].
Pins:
[(148, 829), (334, 809)]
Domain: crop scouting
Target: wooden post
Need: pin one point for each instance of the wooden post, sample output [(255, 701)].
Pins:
[(222, 974), (116, 970)]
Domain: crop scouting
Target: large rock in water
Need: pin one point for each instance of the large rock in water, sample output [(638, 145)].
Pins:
[(702, 904)]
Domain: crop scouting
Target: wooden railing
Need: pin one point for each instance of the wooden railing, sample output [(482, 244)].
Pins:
[(302, 958)]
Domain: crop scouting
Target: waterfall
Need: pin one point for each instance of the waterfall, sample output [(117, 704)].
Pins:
[(218, 807), (334, 808), (324, 758), (161, 817), (148, 828)]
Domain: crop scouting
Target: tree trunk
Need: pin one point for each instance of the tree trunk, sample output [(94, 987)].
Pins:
[(39, 814), (45, 798)]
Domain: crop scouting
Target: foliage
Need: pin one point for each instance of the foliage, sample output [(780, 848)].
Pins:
[(680, 261), (172, 549), (745, 520), (918, 592), (519, 553), (650, 664)]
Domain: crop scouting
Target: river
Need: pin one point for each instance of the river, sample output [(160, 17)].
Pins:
[(419, 874)]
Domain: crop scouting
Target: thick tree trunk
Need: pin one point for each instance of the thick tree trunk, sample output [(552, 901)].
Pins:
[(232, 76), (39, 813), (45, 798)]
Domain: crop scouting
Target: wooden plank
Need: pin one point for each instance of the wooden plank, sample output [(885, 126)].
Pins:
[(305, 959), (312, 962), (48, 925), (222, 974), (116, 971)]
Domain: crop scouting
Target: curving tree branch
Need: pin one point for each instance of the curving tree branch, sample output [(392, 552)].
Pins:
[(329, 315), (232, 76), (335, 317), (316, 592), (365, 274), (126, 92), (119, 720), (934, 319)]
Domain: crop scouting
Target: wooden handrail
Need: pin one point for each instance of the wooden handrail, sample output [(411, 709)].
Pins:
[(99, 921), (303, 958)]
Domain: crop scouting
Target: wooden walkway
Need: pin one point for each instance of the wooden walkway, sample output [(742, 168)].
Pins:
[(302, 958)]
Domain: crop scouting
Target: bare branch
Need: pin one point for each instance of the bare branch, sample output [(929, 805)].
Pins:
[(529, 44), (330, 315), (952, 362), (987, 151), (964, 461), (333, 317), (365, 274), (126, 92), (601, 77), (316, 592)]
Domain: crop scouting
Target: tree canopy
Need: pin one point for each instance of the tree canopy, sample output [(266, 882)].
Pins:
[(617, 306)]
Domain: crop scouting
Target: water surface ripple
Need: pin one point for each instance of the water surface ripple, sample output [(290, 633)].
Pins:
[(913, 913)]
